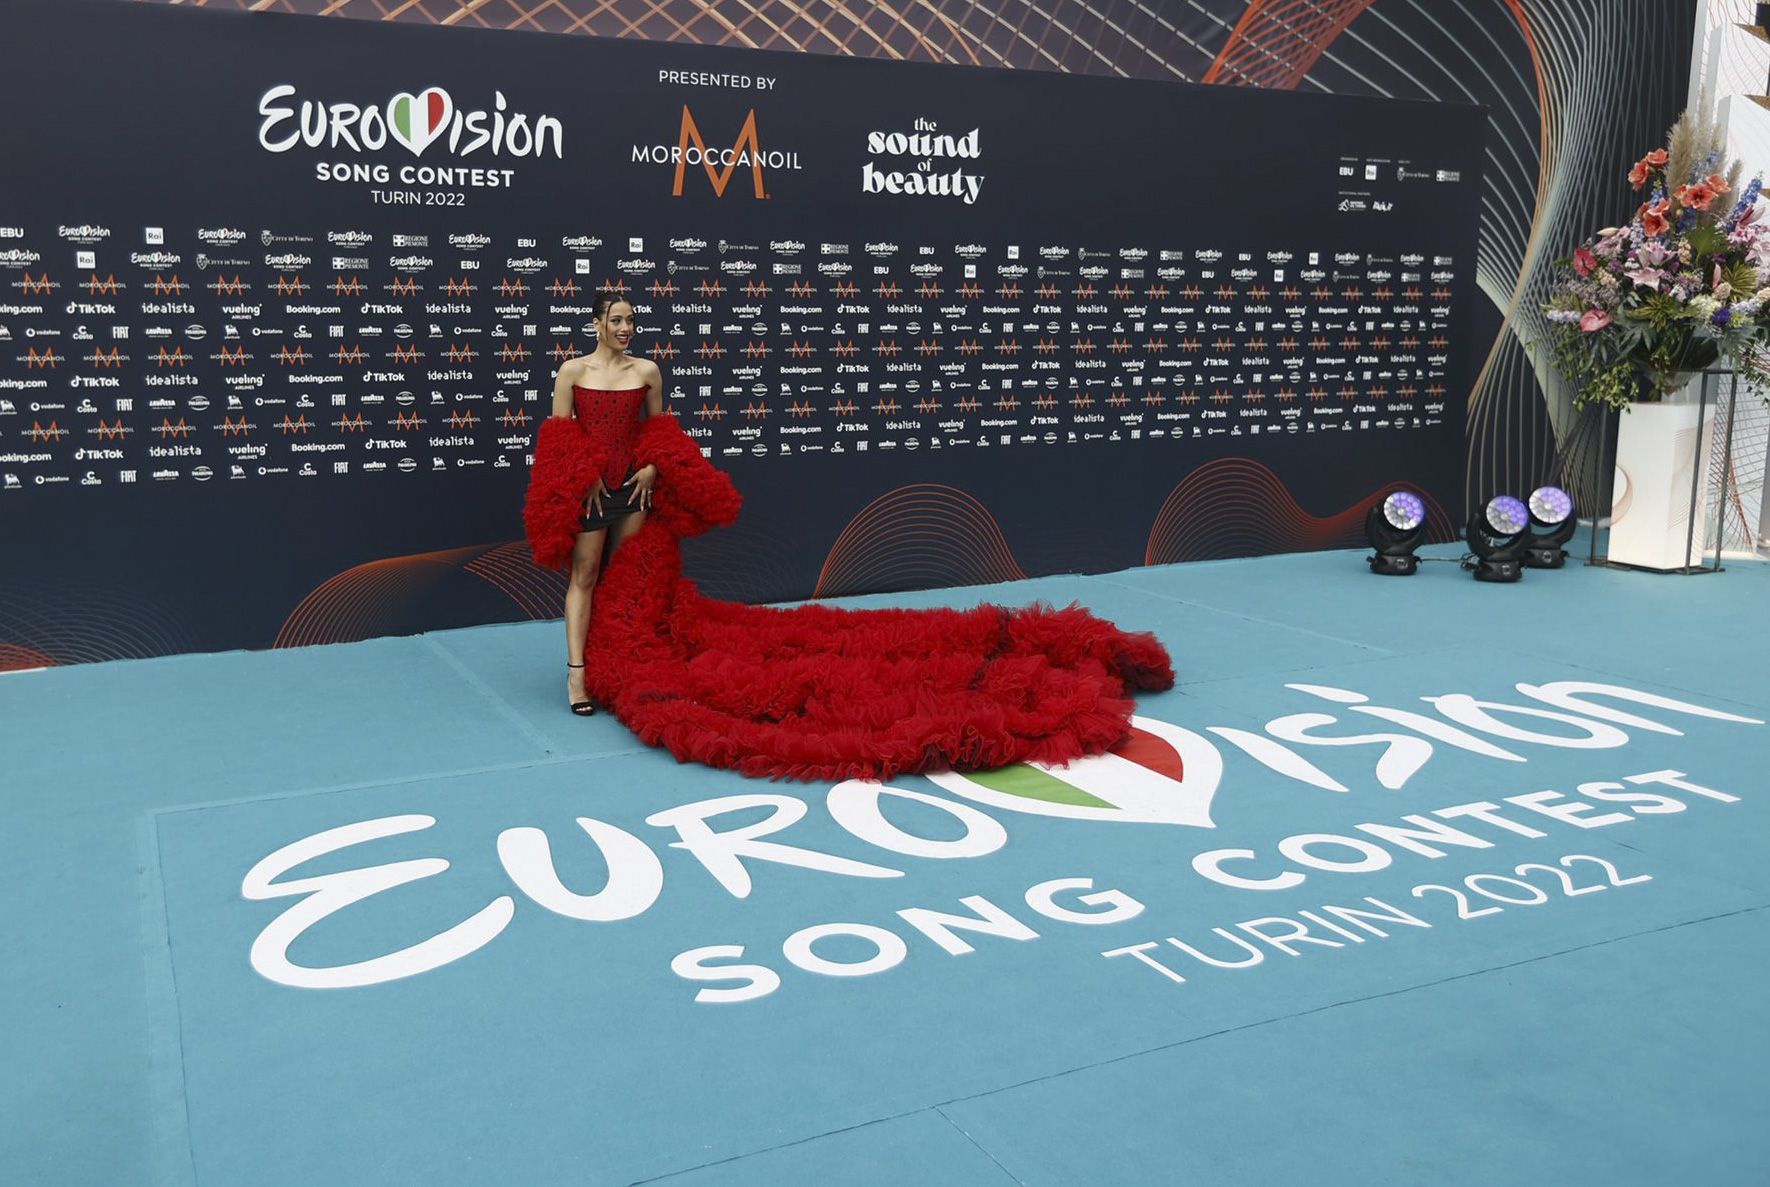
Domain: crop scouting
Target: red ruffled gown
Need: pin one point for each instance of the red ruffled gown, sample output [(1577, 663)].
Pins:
[(817, 692)]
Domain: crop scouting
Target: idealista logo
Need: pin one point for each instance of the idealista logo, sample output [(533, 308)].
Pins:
[(414, 122), (720, 164), (929, 175)]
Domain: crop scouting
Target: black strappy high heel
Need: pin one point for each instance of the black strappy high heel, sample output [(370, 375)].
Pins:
[(582, 708)]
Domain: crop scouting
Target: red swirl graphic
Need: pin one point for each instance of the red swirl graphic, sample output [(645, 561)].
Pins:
[(1239, 507), (921, 536), (16, 657), (376, 598), (540, 593)]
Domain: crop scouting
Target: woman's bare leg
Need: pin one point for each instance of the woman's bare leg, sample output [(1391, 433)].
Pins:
[(586, 566), (622, 529)]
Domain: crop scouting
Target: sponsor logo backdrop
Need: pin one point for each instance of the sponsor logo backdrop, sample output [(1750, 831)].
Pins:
[(278, 317)]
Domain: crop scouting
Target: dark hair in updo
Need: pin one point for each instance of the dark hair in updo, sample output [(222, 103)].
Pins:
[(604, 300)]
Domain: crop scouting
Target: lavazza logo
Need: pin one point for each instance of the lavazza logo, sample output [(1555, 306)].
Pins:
[(1164, 776), (923, 161), (692, 153)]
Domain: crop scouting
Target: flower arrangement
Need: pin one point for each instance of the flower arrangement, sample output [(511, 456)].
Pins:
[(1684, 283)]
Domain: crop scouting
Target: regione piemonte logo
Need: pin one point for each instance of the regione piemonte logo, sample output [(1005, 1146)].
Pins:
[(720, 164)]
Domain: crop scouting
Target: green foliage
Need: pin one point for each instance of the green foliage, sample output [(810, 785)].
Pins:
[(1706, 239), (1658, 310), (1740, 278), (1596, 378)]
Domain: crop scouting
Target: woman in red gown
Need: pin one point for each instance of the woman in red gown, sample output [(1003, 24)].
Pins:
[(799, 692), (608, 392)]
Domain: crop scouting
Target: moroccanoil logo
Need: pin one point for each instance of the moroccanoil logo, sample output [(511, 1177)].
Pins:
[(720, 164)]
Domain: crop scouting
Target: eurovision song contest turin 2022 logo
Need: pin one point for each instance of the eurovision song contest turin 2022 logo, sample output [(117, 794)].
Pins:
[(1165, 776), (478, 139)]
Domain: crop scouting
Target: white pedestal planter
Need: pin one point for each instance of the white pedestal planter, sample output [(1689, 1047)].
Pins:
[(1763, 537), (1659, 452)]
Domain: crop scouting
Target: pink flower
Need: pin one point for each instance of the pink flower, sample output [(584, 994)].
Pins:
[(1595, 319), (1611, 240), (1653, 219), (1722, 290), (1652, 254), (1645, 275), (1584, 262)]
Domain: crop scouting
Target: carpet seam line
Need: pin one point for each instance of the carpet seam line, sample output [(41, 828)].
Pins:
[(1380, 651), (157, 890), (689, 1170), (1351, 1002), (504, 707), (551, 760), (978, 1145), (941, 1106)]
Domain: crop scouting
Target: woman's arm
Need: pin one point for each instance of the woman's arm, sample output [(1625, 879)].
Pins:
[(562, 388), (647, 475), (654, 389)]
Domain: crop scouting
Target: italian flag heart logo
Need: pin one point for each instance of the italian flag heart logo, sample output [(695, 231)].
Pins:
[(417, 120), (1160, 774)]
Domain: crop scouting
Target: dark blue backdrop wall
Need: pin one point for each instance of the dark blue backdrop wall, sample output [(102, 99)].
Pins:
[(280, 317)]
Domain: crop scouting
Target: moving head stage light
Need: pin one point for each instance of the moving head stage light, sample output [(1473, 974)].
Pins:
[(1499, 535), (1394, 528), (1552, 524)]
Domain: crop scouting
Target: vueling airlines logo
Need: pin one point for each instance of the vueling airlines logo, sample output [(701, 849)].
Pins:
[(721, 164)]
